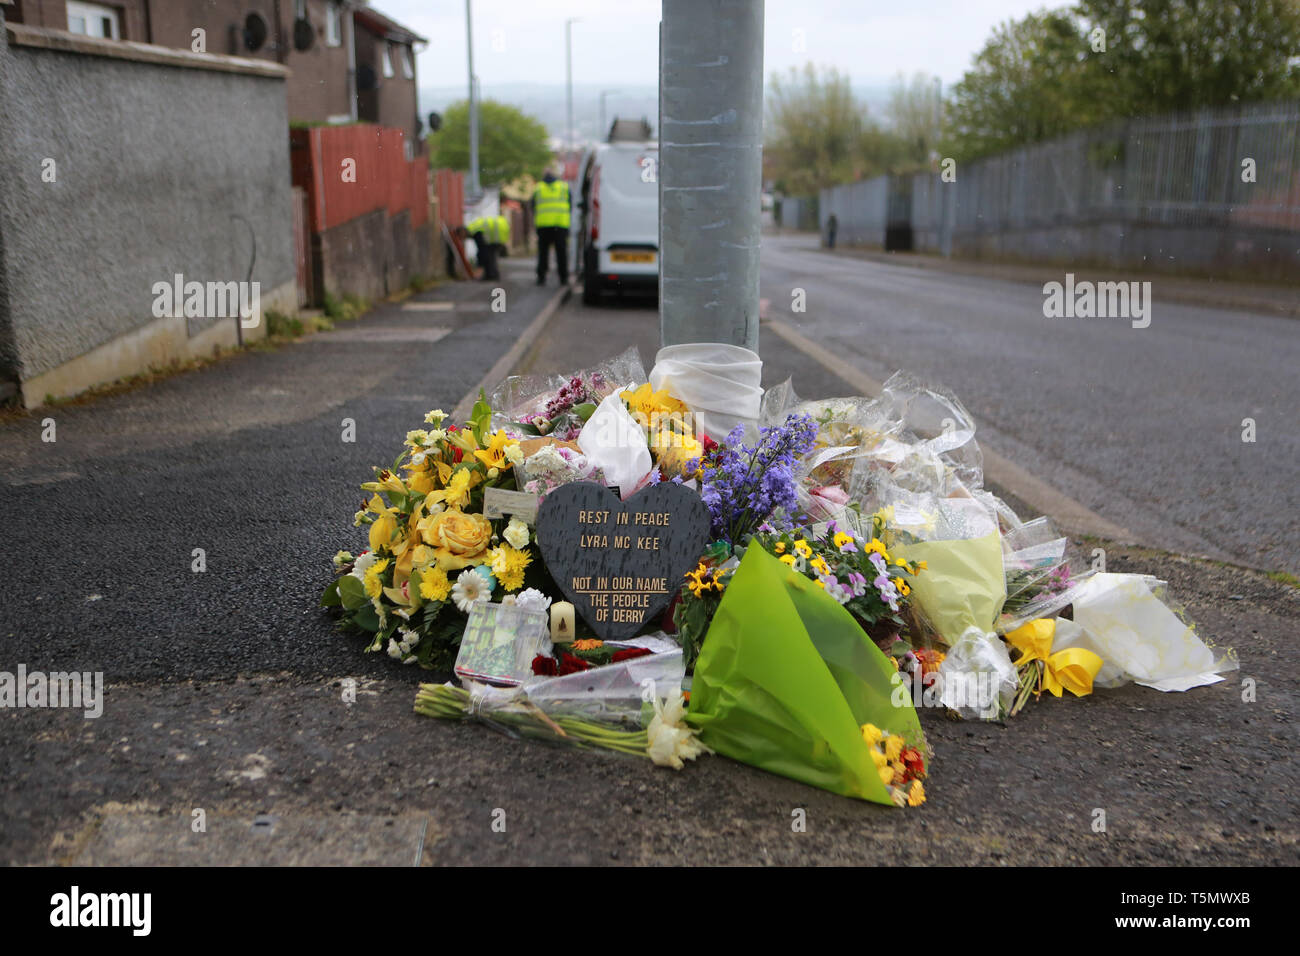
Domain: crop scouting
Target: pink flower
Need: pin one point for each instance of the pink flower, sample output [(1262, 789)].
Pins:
[(827, 501)]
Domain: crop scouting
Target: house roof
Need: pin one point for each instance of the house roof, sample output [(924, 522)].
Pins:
[(376, 22)]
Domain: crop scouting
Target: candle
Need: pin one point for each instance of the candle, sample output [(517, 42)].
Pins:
[(562, 617)]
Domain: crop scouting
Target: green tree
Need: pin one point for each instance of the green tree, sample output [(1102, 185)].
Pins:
[(1164, 56), (1025, 85), (916, 116), (818, 134), (511, 143)]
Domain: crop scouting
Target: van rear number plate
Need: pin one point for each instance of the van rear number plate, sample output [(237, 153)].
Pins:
[(631, 257)]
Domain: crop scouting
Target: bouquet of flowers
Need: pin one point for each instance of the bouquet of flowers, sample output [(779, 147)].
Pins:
[(433, 553)]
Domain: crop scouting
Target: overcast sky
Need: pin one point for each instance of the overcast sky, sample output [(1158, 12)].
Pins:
[(616, 41)]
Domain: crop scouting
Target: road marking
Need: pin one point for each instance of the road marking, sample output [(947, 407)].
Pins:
[(428, 306), (369, 334), (1071, 516)]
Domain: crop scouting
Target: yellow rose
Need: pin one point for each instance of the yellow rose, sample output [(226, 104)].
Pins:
[(458, 540)]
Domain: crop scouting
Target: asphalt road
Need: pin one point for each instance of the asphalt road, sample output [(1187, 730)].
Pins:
[(1143, 426), (224, 687)]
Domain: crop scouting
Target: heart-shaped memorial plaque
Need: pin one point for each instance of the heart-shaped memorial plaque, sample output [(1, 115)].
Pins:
[(620, 562)]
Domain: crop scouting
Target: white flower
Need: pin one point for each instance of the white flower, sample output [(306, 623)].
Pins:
[(514, 454), (395, 650), (469, 588), (410, 659), (435, 417), (670, 740), (356, 518), (418, 458), (409, 639), (533, 600), (342, 558), (508, 600), (516, 534), (362, 563)]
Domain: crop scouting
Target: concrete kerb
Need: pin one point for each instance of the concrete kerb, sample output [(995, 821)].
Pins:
[(513, 358)]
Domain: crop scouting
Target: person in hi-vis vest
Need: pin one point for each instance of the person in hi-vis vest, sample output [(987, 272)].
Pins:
[(551, 215), (483, 231)]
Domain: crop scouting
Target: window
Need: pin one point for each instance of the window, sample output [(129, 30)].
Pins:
[(388, 61), (408, 63), (333, 24), (94, 20)]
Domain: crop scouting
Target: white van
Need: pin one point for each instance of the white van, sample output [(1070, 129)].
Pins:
[(618, 234)]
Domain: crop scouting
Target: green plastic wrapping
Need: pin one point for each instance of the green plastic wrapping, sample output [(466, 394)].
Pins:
[(787, 678), (963, 584)]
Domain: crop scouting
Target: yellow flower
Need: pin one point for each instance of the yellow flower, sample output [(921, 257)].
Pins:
[(384, 527), (922, 566), (893, 747), (787, 559), (819, 564), (801, 547), (871, 734), (387, 482), (916, 796), (456, 494), (903, 589), (648, 406), (434, 584), (508, 565), (841, 539), (587, 644), (878, 758), (373, 583), (779, 547), (886, 775), (457, 539), (674, 451), (878, 546), (494, 456)]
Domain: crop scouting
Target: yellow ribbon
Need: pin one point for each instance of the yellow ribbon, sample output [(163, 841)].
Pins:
[(1072, 669)]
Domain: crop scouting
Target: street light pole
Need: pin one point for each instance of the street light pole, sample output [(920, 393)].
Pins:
[(474, 188), (568, 83), (710, 170)]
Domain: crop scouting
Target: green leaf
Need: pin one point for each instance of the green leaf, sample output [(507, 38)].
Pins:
[(331, 596), (366, 618), (351, 593), (526, 427), (585, 410)]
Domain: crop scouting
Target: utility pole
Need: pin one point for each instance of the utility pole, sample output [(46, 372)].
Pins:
[(568, 84), (710, 170), (474, 188)]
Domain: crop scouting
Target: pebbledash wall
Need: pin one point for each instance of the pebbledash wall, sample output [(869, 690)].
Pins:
[(126, 164)]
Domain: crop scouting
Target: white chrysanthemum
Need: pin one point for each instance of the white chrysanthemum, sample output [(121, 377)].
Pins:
[(514, 454), (435, 417), (469, 588), (362, 564), (533, 600), (395, 650), (418, 458), (516, 534)]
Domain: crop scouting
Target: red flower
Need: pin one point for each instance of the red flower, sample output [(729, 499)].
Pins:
[(627, 653), (571, 665), (545, 666), (913, 762)]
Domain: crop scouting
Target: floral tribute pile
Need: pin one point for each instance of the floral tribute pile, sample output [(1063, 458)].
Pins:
[(857, 571)]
